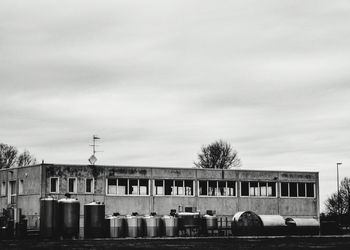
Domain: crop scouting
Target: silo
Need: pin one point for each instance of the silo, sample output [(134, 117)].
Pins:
[(94, 214), (69, 215), (170, 225), (151, 225), (115, 226), (48, 217), (134, 226)]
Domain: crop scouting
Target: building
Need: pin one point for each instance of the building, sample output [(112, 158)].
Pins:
[(147, 189)]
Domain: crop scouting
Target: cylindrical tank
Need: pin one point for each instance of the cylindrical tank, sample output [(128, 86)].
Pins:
[(48, 217), (151, 225), (211, 222), (189, 219), (246, 223), (94, 214), (170, 225), (273, 225), (303, 226), (134, 226), (69, 215), (116, 226)]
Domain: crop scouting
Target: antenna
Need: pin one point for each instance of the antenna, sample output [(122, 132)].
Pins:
[(93, 158)]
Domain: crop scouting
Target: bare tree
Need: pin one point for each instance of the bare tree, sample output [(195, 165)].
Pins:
[(218, 154), (339, 204), (9, 157), (25, 159)]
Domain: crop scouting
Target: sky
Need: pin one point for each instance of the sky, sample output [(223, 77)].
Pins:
[(156, 80)]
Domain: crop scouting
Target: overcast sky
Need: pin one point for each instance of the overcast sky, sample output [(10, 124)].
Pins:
[(158, 79)]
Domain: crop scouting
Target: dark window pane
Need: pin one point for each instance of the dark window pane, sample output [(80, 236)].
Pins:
[(143, 187), (293, 189), (271, 189), (212, 188), (189, 187), (179, 188), (284, 189), (245, 188), (53, 185), (203, 188), (88, 187), (301, 190), (71, 185), (231, 188), (159, 187), (168, 187), (222, 188), (310, 190), (133, 186), (122, 186)]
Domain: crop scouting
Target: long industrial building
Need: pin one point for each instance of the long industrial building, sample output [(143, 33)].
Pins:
[(126, 189)]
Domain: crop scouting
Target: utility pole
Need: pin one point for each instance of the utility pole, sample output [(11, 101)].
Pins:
[(338, 192)]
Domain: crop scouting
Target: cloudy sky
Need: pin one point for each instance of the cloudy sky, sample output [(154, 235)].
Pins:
[(158, 79)]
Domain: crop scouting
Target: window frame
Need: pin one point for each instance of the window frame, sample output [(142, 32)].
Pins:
[(128, 187), (258, 188), (75, 187), (217, 191), (57, 185), (3, 189), (173, 191), (92, 185), (297, 191)]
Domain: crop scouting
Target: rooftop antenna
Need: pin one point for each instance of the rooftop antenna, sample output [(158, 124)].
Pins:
[(93, 158)]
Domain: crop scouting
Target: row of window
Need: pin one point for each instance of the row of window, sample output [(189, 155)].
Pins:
[(123, 186)]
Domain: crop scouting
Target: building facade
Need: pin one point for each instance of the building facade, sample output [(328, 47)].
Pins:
[(151, 189)]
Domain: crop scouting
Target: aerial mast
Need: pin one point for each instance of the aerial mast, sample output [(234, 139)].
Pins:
[(93, 158)]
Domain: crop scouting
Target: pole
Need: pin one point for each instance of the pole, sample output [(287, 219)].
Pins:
[(338, 192)]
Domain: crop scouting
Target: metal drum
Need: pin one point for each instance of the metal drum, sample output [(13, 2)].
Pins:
[(151, 225), (94, 214), (246, 223), (170, 225), (48, 217), (134, 226), (69, 215), (115, 226)]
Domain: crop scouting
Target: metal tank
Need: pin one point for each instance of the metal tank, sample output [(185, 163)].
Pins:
[(134, 226), (151, 225), (94, 215), (69, 215), (273, 225), (246, 223), (211, 222), (49, 217), (189, 219), (170, 225), (115, 226), (303, 226)]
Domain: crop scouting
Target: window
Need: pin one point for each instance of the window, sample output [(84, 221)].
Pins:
[(20, 187), (89, 185), (112, 186), (122, 187), (72, 185), (54, 185), (310, 189), (169, 187), (3, 189), (297, 189), (244, 188), (203, 188), (188, 187), (293, 189), (271, 189), (127, 187), (143, 187), (217, 188), (258, 188), (133, 186), (158, 187), (12, 192), (284, 189), (301, 190), (179, 189)]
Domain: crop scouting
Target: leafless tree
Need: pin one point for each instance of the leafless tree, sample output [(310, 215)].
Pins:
[(218, 154), (9, 157)]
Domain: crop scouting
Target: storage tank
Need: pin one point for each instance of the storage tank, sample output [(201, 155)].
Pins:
[(151, 225), (211, 222), (49, 217), (273, 225), (246, 223), (115, 226), (303, 226), (134, 226), (170, 225), (69, 215), (189, 219), (94, 215)]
